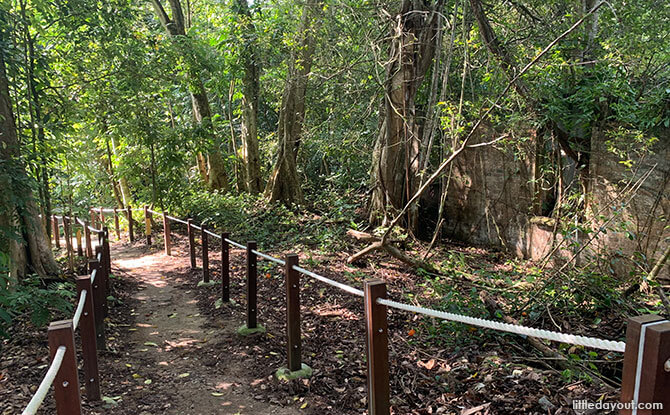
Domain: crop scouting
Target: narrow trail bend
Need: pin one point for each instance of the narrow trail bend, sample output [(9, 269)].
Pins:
[(166, 351)]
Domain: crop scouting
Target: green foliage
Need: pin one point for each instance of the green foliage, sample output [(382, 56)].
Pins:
[(31, 298)]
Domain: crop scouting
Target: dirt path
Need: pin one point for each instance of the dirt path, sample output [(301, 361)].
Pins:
[(164, 365)]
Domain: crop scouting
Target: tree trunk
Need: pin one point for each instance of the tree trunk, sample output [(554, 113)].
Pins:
[(29, 252), (214, 175), (397, 154), (251, 88), (123, 183), (284, 183), (37, 125)]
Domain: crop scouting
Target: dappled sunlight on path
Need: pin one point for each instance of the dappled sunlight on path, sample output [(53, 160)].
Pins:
[(168, 366)]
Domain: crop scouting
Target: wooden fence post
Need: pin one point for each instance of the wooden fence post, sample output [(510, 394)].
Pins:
[(147, 224), (106, 254), (102, 217), (129, 214), (652, 333), (88, 340), (116, 225), (66, 383), (225, 268), (252, 275), (56, 232), (166, 234), (80, 248), (293, 344), (191, 242), (98, 302), (87, 237), (377, 348), (205, 254)]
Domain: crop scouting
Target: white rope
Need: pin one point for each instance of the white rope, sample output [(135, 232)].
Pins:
[(638, 369), (58, 217), (92, 229), (177, 219), (212, 234), (593, 342), (99, 257), (107, 210), (80, 309), (93, 275), (236, 244), (196, 227), (269, 258), (154, 212), (41, 393), (81, 222), (328, 281)]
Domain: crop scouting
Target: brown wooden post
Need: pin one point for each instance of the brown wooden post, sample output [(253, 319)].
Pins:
[(129, 212), (66, 383), (106, 253), (252, 276), (102, 217), (87, 237), (205, 254), (166, 234), (293, 344), (377, 348), (88, 340), (80, 248), (56, 232), (654, 332), (98, 302), (147, 224), (116, 225), (191, 242), (225, 268)]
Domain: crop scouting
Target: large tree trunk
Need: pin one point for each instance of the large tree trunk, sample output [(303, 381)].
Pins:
[(29, 252), (215, 175), (396, 157), (36, 124), (284, 183), (251, 88)]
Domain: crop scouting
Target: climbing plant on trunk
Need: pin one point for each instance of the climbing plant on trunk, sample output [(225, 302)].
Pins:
[(397, 155)]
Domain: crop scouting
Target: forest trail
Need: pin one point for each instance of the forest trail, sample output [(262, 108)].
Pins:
[(168, 350)]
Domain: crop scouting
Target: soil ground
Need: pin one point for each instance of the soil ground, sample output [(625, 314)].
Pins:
[(172, 349)]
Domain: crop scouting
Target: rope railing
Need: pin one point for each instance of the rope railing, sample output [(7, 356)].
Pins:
[(328, 281), (80, 309), (46, 383), (176, 219), (155, 213), (89, 314), (208, 232), (376, 303), (235, 244), (592, 342), (616, 346), (269, 257)]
